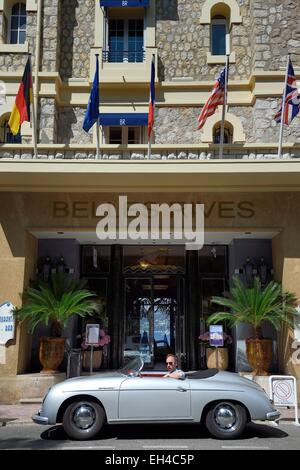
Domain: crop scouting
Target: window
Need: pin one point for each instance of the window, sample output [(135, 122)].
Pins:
[(115, 135), (7, 137), (228, 133), (123, 135), (18, 24), (219, 36), (125, 40)]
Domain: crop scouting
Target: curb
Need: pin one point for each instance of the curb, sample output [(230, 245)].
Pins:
[(14, 421)]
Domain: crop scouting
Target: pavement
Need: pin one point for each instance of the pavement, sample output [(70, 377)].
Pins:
[(22, 413)]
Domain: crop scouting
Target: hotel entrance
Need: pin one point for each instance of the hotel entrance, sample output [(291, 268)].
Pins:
[(154, 304)]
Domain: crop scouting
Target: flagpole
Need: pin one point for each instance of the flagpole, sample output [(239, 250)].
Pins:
[(149, 146), (283, 108), (34, 133), (98, 139), (224, 109)]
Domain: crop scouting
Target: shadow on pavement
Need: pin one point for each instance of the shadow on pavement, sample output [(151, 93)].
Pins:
[(165, 431)]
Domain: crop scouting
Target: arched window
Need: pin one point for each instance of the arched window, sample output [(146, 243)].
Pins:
[(219, 35), (5, 133), (228, 133), (18, 24)]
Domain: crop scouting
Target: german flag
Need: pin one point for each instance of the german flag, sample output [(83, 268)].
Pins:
[(21, 110)]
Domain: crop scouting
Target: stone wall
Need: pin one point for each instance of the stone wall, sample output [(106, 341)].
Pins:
[(70, 121), (179, 125), (275, 32), (176, 126), (77, 37), (183, 42), (51, 35), (47, 121)]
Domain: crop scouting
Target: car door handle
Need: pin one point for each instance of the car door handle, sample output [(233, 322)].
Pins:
[(181, 389)]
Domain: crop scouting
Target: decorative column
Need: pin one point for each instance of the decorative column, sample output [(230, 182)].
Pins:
[(115, 308), (193, 312)]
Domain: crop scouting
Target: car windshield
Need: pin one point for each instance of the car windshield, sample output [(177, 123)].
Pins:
[(133, 367)]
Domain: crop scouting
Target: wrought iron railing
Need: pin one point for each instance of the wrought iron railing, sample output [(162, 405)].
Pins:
[(124, 56)]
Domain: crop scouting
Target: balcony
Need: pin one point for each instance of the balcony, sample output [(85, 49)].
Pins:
[(123, 66), (160, 152), (74, 168)]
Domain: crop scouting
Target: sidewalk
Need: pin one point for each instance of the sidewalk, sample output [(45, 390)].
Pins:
[(18, 414), (21, 414)]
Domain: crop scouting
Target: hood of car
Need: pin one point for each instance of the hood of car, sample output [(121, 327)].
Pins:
[(105, 380)]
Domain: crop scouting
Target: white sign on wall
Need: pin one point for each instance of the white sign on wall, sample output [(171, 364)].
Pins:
[(7, 322)]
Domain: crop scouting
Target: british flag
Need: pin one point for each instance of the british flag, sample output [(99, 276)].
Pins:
[(216, 98), (292, 98)]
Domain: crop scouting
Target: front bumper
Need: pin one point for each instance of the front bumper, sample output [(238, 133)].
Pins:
[(38, 419), (272, 415)]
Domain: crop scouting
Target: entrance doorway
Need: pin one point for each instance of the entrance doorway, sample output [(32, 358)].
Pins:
[(154, 319)]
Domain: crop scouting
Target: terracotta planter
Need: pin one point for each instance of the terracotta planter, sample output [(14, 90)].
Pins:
[(51, 354), (97, 359), (211, 358), (259, 355)]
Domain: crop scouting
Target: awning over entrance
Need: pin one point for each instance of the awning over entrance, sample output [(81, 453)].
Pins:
[(123, 119), (124, 3)]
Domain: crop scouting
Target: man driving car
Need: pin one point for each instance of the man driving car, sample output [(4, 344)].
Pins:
[(173, 371)]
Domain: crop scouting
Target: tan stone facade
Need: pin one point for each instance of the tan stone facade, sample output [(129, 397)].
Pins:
[(184, 162)]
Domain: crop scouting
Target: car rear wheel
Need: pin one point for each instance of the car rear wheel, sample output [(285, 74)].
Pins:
[(83, 419), (226, 420)]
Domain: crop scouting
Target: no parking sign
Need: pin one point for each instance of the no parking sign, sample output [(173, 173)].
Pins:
[(283, 392)]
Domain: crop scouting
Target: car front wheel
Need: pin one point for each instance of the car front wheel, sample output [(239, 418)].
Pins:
[(83, 419), (226, 420)]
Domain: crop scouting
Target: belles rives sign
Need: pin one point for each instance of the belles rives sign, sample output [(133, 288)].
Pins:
[(124, 221)]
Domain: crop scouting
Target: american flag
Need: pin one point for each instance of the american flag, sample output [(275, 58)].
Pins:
[(292, 98), (216, 98)]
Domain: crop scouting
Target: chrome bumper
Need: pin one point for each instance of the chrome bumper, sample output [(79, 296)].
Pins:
[(38, 419), (273, 415)]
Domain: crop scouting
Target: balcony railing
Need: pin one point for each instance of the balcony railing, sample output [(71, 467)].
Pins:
[(124, 56), (167, 152)]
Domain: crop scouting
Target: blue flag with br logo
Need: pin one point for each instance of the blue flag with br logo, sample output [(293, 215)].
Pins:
[(92, 112)]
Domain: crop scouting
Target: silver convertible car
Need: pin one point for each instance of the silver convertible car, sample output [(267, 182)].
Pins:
[(224, 402)]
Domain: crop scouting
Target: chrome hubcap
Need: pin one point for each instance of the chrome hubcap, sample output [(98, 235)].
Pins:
[(84, 416), (225, 416)]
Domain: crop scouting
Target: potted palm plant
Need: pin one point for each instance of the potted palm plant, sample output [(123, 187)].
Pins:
[(254, 306), (53, 304)]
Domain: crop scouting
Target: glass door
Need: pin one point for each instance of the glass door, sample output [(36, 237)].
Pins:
[(139, 320), (154, 319)]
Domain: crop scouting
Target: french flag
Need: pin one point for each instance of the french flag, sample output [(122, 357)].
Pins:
[(152, 99)]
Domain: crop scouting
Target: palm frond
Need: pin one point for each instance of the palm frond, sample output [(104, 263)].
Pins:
[(56, 302), (255, 305)]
